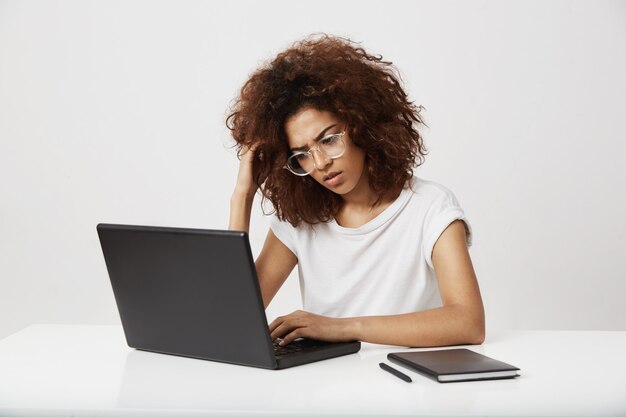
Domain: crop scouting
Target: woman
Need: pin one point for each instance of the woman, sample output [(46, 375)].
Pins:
[(328, 135)]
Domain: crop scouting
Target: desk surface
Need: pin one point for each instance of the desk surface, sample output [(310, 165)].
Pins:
[(62, 370)]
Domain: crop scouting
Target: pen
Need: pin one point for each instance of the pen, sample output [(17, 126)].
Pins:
[(395, 372)]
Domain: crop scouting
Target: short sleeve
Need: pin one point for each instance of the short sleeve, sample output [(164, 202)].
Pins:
[(444, 210), (285, 232)]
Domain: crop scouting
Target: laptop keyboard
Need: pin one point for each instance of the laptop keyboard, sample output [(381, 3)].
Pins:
[(296, 346)]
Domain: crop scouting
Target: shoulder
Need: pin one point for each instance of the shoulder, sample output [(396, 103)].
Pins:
[(295, 236), (441, 209), (284, 228), (275, 222), (285, 232), (281, 226), (428, 192)]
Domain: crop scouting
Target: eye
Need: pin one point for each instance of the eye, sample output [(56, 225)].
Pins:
[(329, 140), (301, 156)]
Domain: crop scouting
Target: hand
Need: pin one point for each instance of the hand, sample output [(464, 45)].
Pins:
[(248, 171), (304, 324)]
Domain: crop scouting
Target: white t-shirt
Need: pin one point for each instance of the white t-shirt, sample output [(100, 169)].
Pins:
[(383, 267)]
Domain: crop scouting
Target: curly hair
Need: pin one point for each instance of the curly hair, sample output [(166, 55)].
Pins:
[(332, 74)]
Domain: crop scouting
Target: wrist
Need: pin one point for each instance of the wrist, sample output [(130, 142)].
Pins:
[(353, 328), (243, 195)]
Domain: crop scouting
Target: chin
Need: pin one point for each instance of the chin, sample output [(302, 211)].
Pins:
[(340, 189)]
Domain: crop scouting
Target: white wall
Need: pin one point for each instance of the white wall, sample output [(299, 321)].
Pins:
[(113, 111)]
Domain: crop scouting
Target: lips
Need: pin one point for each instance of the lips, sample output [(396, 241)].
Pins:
[(331, 175)]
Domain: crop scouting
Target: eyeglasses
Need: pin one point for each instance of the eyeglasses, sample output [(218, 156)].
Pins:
[(303, 163)]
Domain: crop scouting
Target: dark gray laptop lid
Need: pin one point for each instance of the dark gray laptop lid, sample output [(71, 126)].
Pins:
[(188, 292)]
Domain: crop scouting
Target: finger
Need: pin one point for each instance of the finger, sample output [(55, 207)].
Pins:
[(285, 328), (277, 322), (251, 147), (280, 331), (290, 337), (247, 151)]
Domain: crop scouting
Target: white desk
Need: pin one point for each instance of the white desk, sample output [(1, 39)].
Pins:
[(71, 370)]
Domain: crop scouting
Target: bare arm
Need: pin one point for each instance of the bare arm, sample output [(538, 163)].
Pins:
[(459, 321), (240, 208), (276, 261), (273, 266), (243, 195)]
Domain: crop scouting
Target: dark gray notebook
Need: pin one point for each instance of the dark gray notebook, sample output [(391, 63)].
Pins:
[(452, 365)]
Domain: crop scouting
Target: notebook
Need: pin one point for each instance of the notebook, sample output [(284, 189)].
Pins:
[(452, 365), (194, 292)]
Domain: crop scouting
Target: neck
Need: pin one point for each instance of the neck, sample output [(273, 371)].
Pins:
[(363, 198)]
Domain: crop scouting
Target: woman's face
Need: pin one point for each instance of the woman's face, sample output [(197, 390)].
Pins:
[(340, 175)]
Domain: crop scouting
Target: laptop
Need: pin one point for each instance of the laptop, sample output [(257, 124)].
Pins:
[(194, 293)]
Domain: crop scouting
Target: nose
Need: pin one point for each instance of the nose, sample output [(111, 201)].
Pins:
[(320, 159)]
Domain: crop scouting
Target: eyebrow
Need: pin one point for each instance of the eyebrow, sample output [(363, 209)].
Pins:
[(320, 136)]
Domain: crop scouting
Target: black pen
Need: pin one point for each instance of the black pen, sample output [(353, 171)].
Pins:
[(395, 372)]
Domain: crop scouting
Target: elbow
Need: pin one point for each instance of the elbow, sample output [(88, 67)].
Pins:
[(478, 336), (473, 336), (477, 332), (474, 327)]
